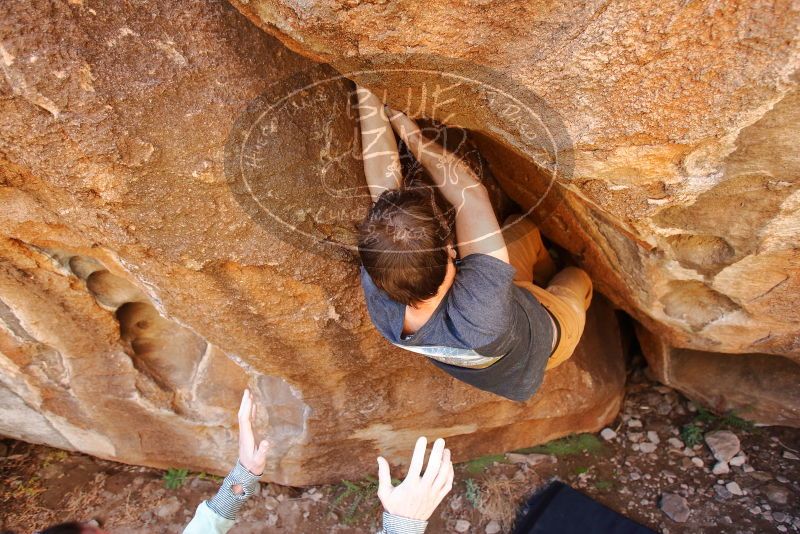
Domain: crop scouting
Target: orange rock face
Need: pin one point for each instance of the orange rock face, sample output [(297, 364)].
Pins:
[(679, 132), (176, 226)]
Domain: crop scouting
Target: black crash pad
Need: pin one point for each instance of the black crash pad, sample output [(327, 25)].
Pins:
[(559, 509)]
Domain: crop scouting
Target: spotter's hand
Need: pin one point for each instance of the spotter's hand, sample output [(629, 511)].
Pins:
[(252, 457), (418, 495)]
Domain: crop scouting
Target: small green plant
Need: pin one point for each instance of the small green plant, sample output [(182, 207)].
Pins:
[(26, 489), (691, 434), (704, 416), (55, 457), (205, 476), (357, 499), (478, 465), (732, 420), (581, 470), (604, 485), (706, 420), (568, 446), (473, 492), (175, 478)]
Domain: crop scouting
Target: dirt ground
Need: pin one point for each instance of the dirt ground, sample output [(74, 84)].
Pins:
[(41, 485)]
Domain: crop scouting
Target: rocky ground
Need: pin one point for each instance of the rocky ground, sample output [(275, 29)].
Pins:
[(664, 463)]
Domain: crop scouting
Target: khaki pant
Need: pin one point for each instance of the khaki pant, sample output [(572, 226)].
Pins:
[(568, 293)]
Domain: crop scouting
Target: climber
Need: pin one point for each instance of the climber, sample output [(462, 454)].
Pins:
[(468, 304), (407, 507)]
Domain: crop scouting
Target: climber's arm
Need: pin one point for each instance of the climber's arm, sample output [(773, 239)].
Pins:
[(476, 224), (378, 145), (218, 515)]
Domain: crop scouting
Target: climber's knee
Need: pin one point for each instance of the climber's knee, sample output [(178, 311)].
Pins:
[(573, 284)]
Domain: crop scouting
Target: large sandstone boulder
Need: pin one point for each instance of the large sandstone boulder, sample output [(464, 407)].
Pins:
[(680, 124), (144, 282)]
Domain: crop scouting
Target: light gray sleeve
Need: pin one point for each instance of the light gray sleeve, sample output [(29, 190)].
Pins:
[(394, 524), (226, 503)]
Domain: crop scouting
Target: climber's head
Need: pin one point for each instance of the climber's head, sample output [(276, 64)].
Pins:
[(406, 244)]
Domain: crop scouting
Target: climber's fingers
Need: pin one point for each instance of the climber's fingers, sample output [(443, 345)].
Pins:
[(418, 458), (434, 461), (384, 479)]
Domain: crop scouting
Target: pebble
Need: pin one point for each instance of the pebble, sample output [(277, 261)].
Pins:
[(675, 443), (635, 436), (270, 503), (738, 460), (635, 423), (462, 525), (530, 459), (755, 510), (664, 408), (722, 492), (761, 476), (698, 462), (647, 448), (782, 479), (608, 434), (776, 494), (653, 437), (721, 468), (782, 528), (734, 488), (169, 508), (724, 444), (780, 517), (748, 469), (675, 507), (790, 455), (492, 527)]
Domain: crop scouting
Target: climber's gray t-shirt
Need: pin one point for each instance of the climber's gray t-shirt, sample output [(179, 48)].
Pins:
[(487, 331)]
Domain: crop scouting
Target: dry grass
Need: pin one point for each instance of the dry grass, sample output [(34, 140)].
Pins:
[(500, 498), (81, 502)]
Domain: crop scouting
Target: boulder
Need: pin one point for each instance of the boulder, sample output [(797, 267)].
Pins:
[(669, 168), (177, 225), (757, 387)]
